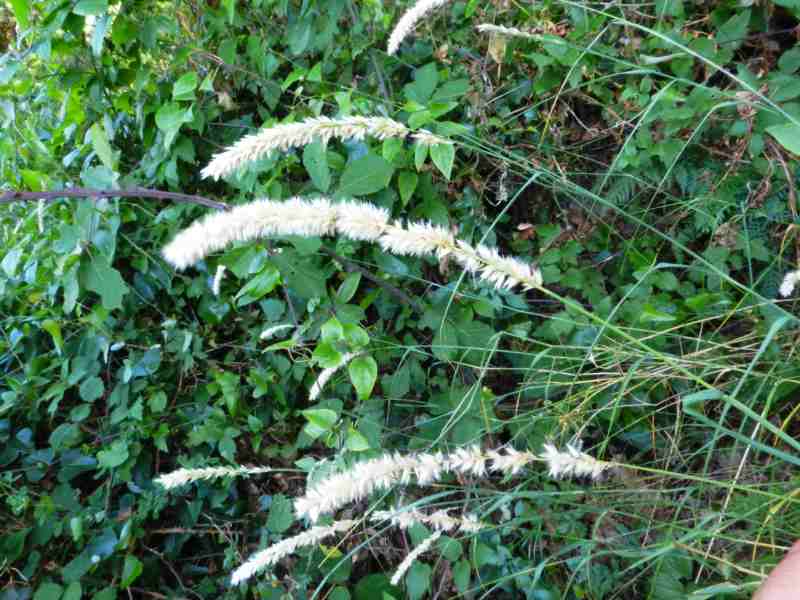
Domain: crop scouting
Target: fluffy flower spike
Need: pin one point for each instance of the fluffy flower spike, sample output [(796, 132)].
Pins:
[(572, 462), (270, 556), (409, 21), (291, 135), (355, 220), (183, 476), (389, 470), (412, 556), (439, 520), (790, 281)]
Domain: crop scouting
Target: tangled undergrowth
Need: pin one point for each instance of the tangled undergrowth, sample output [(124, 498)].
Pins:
[(436, 246)]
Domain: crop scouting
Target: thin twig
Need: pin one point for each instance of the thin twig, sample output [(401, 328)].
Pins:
[(394, 291), (14, 196), (17, 196)]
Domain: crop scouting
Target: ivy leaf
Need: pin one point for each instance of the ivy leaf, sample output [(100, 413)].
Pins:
[(184, 88), (114, 456), (106, 281), (315, 160), (366, 175), (169, 119), (363, 373), (320, 420), (101, 145), (281, 514)]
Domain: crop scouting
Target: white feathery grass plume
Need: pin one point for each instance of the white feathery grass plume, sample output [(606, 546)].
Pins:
[(426, 138), (270, 332), (512, 462), (439, 520), (326, 375), (790, 281), (262, 218), (412, 556), (361, 221), (291, 135), (572, 462), (217, 283), (269, 556), (409, 21), (355, 220), (381, 473), (418, 239), (183, 476), (507, 31)]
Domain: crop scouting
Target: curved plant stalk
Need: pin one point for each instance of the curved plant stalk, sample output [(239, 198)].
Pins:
[(354, 220), (285, 136)]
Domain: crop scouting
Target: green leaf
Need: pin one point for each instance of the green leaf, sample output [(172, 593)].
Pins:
[(366, 175), (320, 420), (420, 154), (169, 119), (418, 580), (425, 80), (445, 343), (331, 331), (54, 329), (259, 286), (356, 441), (101, 26), (48, 591), (106, 281), (230, 10), (184, 88), (130, 571), (788, 136), (363, 372), (407, 183), (731, 33), (281, 514), (102, 146), (443, 156), (229, 383), (157, 402), (461, 573), (114, 456), (88, 8), (315, 160), (92, 389), (107, 593), (348, 287), (22, 12), (789, 62), (11, 261), (373, 587), (73, 591), (326, 356)]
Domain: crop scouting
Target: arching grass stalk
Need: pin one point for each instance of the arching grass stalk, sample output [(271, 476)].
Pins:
[(357, 221), (284, 136)]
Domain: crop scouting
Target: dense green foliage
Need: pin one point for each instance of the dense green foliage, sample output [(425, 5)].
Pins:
[(645, 156)]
